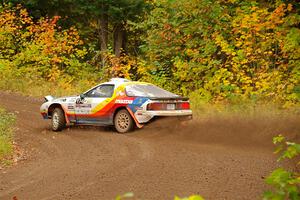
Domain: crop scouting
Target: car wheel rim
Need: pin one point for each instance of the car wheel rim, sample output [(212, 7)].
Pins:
[(55, 120), (123, 121)]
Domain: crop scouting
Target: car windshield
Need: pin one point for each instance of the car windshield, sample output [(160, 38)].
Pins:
[(148, 90)]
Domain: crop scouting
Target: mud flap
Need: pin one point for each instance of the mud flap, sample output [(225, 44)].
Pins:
[(133, 117), (66, 117)]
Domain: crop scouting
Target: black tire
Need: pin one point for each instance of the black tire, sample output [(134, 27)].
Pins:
[(58, 121), (123, 121)]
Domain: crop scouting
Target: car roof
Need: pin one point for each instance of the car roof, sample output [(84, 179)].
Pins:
[(119, 82), (122, 81)]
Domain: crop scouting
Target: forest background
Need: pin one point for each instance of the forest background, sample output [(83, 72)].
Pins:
[(216, 52)]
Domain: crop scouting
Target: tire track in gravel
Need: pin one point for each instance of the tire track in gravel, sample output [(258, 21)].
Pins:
[(219, 158)]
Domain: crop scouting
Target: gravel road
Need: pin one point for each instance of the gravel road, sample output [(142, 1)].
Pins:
[(217, 157)]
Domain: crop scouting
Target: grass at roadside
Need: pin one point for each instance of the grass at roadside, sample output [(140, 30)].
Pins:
[(37, 87), (6, 135), (32, 85)]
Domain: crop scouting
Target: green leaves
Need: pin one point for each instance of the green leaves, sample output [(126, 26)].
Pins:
[(286, 149), (278, 139), (286, 184), (292, 150), (177, 37), (279, 177)]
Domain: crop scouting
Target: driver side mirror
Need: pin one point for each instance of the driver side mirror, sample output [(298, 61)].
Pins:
[(82, 96)]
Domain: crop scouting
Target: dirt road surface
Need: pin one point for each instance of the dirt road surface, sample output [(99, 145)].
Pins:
[(219, 158)]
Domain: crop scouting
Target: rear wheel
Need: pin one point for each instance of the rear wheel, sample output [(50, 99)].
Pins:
[(123, 121), (58, 119)]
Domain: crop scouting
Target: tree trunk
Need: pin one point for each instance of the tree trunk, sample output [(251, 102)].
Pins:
[(103, 28), (119, 40)]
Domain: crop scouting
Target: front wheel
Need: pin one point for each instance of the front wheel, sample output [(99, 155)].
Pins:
[(58, 119), (123, 121)]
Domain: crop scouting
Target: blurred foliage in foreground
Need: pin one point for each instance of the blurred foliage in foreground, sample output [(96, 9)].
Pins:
[(285, 183), (212, 51), (6, 135), (131, 195)]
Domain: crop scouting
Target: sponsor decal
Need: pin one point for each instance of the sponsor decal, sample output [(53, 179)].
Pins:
[(121, 93), (81, 101), (70, 107), (83, 105), (124, 101), (82, 112), (138, 108)]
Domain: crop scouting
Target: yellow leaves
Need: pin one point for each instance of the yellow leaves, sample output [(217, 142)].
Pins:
[(193, 197), (254, 51), (191, 52), (56, 60), (223, 44), (290, 87), (119, 66), (54, 74), (44, 46), (254, 8), (289, 7)]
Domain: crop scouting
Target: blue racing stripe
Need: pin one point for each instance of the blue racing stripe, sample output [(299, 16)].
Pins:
[(137, 102)]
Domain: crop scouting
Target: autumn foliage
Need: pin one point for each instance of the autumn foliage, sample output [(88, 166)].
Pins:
[(39, 44), (39, 50), (226, 50), (212, 51)]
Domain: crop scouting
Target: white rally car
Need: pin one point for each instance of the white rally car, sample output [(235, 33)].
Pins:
[(122, 103)]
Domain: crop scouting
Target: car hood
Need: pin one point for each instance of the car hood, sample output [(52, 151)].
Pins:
[(61, 99)]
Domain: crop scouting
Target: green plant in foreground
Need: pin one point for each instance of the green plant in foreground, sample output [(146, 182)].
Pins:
[(131, 195), (193, 197), (124, 196), (286, 184), (6, 135)]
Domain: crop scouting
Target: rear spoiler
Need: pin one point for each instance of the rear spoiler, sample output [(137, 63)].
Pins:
[(169, 98)]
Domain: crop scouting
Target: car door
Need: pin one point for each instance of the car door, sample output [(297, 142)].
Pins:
[(92, 109)]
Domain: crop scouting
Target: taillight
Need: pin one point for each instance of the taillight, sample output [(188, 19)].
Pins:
[(183, 106), (169, 106), (156, 106)]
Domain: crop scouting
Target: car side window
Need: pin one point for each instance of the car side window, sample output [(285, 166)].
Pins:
[(101, 91)]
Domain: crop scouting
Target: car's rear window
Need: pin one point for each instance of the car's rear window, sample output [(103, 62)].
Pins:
[(148, 90)]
